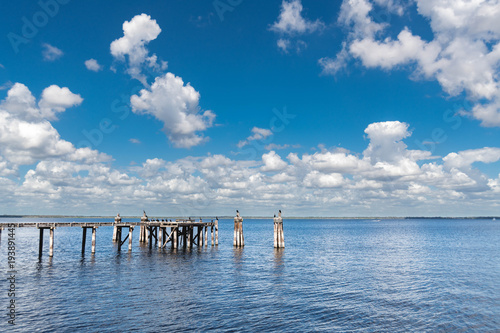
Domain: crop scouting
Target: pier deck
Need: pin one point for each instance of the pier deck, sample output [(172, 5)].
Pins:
[(160, 232)]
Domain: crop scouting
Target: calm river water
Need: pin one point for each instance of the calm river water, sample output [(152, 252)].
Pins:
[(333, 276)]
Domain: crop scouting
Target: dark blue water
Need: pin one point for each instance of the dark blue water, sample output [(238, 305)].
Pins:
[(333, 275)]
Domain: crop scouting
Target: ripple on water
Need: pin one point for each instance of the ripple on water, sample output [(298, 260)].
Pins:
[(336, 275)]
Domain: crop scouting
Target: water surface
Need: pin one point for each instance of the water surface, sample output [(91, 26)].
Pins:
[(333, 275)]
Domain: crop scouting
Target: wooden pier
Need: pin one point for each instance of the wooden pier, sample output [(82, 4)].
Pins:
[(179, 233)]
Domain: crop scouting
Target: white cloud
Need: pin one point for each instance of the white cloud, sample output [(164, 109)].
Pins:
[(383, 180), (137, 33), (291, 21), (56, 99), (25, 133), (355, 14), (464, 159), (51, 53), (177, 106), (332, 66), (93, 65), (135, 141), (273, 162), (386, 141), (21, 103), (389, 53), (464, 55), (258, 134), (316, 179), (283, 44)]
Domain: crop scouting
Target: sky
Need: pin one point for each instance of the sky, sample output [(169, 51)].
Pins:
[(185, 108)]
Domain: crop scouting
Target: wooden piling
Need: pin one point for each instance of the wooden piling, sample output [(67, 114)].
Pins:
[(150, 239), (200, 236), (206, 236), (51, 243), (118, 219), (189, 236), (212, 234), (130, 231), (275, 232), (279, 237), (143, 231), (40, 243), (160, 237), (119, 234), (174, 241), (216, 232), (239, 240), (94, 230), (84, 238)]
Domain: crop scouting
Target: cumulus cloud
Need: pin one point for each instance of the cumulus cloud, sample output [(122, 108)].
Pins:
[(26, 135), (384, 179), (258, 134), (177, 106), (56, 99), (93, 65), (291, 23), (283, 44), (290, 20), (273, 162), (137, 33), (51, 53), (21, 103), (463, 56), (464, 159)]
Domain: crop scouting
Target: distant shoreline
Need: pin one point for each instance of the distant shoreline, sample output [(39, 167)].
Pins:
[(267, 217)]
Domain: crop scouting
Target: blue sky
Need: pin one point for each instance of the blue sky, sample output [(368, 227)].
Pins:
[(323, 108)]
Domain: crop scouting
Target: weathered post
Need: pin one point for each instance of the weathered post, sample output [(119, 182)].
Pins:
[(84, 238), (160, 237), (239, 241), (206, 236), (40, 243), (174, 239), (189, 236), (216, 231), (200, 234), (142, 232), (279, 237), (130, 231), (184, 237), (94, 229), (51, 242), (212, 233), (150, 238), (119, 235), (118, 219)]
